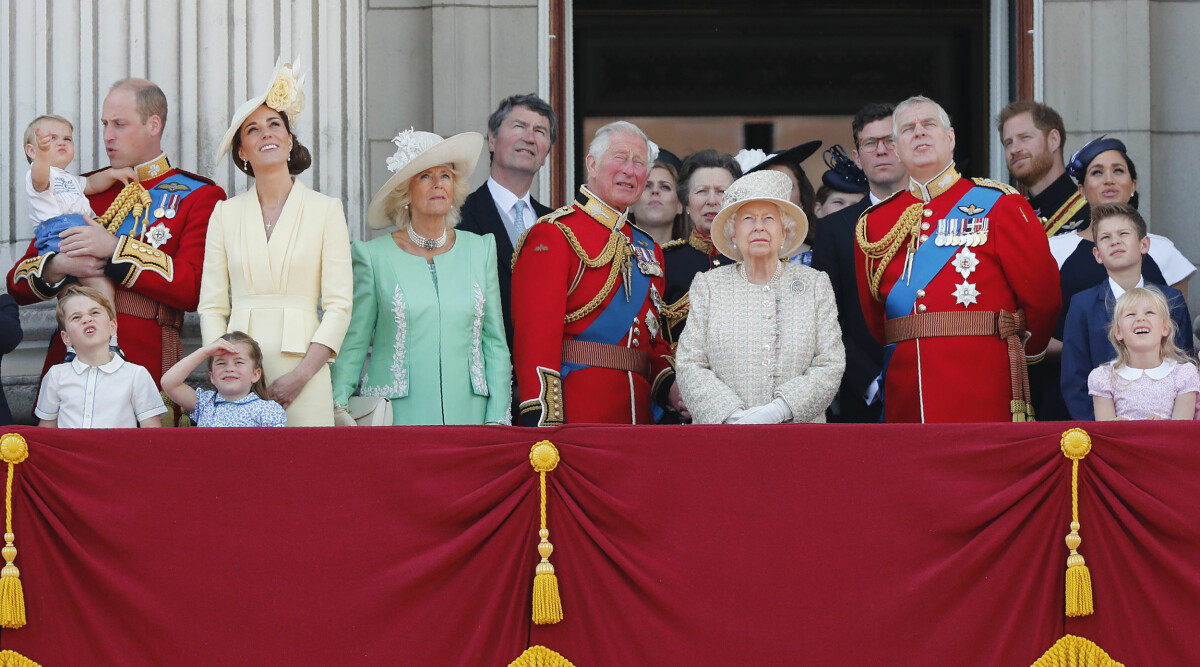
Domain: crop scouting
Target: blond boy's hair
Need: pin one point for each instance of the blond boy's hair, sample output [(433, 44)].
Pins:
[(31, 136), (60, 313)]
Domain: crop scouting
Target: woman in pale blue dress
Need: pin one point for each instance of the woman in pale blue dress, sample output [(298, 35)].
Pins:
[(430, 298)]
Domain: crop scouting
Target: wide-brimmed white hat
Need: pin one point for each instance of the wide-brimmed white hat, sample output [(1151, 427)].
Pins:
[(417, 151), (284, 94), (766, 185)]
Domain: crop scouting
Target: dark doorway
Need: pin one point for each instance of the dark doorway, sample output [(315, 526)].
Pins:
[(795, 58)]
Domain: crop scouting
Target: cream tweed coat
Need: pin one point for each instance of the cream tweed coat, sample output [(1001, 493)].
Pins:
[(745, 345)]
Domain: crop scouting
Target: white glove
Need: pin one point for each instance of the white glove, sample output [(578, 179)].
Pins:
[(772, 413), (341, 417), (736, 417)]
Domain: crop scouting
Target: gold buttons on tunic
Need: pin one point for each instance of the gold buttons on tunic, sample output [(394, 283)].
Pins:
[(921, 308), (924, 226), (635, 343), (928, 213), (924, 238), (920, 294)]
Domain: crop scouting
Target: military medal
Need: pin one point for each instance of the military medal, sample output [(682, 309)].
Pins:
[(173, 206), (162, 203), (646, 262), (965, 293), (965, 262)]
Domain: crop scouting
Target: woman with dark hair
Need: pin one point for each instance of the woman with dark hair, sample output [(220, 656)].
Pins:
[(659, 212), (277, 252)]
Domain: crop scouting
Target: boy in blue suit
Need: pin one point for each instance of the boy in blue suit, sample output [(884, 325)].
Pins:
[(1121, 242)]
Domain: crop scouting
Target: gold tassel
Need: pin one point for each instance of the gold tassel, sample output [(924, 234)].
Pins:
[(14, 659), (547, 606), (1075, 445), (1072, 651), (537, 656), (13, 450)]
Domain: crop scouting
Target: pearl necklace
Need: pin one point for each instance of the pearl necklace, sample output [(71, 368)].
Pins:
[(428, 244)]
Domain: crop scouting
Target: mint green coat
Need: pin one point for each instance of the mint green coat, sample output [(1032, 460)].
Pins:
[(440, 352)]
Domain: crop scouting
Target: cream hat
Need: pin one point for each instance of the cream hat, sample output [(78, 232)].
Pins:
[(285, 94), (766, 185), (417, 151)]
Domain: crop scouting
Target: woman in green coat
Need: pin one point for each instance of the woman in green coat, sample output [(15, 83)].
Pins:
[(428, 297)]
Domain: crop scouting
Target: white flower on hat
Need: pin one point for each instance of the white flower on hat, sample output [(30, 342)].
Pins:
[(410, 144), (749, 158), (287, 92)]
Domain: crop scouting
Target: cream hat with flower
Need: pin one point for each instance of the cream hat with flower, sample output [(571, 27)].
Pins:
[(417, 151), (285, 94), (766, 185)]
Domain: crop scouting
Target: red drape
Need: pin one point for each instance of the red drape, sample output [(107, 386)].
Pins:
[(777, 545)]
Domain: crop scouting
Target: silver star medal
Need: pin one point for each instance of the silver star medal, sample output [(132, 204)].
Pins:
[(965, 294), (158, 235), (965, 262)]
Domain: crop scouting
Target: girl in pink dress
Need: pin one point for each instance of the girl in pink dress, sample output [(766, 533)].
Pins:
[(1151, 378)]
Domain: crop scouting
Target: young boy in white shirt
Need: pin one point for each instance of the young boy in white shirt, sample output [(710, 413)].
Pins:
[(58, 199), (97, 389)]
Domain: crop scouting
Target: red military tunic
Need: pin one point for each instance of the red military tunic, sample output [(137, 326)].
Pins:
[(960, 378), (156, 274), (556, 297)]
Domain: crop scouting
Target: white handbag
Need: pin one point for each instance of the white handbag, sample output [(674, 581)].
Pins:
[(370, 410)]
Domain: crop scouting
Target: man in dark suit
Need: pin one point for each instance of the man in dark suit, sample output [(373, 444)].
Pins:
[(520, 133), (833, 252)]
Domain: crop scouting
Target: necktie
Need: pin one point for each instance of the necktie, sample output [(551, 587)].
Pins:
[(518, 222)]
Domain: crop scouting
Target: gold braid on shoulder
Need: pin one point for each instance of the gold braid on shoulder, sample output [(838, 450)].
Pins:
[(132, 198), (880, 253), (615, 254)]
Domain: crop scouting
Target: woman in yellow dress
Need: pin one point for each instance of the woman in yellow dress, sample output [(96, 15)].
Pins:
[(276, 252)]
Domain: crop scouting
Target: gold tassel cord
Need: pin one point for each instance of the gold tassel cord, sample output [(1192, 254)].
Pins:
[(1075, 445), (537, 656), (132, 198), (1072, 651), (13, 450), (547, 606)]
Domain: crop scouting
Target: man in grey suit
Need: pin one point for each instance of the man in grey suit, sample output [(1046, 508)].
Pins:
[(520, 133)]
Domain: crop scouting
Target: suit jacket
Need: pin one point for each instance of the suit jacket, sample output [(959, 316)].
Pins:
[(833, 253), (1086, 345), (480, 216), (10, 337)]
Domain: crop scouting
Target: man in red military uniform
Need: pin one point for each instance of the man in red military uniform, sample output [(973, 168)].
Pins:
[(154, 258), (952, 275), (586, 295)]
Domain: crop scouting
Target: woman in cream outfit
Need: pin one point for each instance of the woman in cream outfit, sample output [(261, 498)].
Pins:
[(274, 253), (762, 343)]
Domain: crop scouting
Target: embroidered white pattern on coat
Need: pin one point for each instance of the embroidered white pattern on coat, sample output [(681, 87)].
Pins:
[(399, 385), (477, 379)]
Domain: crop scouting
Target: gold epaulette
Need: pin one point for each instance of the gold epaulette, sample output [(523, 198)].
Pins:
[(675, 243), (549, 217), (996, 185)]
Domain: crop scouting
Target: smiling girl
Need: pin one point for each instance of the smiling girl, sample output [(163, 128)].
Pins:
[(235, 369), (1151, 378)]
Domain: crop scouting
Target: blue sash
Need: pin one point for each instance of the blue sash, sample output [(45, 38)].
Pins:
[(176, 184), (613, 322), (927, 262)]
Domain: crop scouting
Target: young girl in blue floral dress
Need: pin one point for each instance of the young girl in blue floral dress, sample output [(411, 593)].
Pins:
[(235, 369)]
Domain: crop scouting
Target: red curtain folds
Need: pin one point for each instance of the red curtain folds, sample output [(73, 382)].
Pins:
[(777, 545)]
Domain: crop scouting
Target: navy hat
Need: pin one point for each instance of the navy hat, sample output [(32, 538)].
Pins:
[(794, 155), (843, 174), (1084, 156), (667, 157)]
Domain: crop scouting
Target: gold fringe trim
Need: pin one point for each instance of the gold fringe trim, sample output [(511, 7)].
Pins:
[(1075, 445), (1072, 651), (537, 656), (547, 605), (13, 450), (14, 659)]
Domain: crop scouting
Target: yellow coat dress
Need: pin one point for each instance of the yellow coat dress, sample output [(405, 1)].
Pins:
[(271, 289)]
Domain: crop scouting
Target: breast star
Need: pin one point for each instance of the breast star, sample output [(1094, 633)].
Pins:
[(965, 262), (965, 294)]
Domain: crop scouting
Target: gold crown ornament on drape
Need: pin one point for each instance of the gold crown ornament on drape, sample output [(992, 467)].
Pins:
[(1075, 445), (537, 656), (1072, 651)]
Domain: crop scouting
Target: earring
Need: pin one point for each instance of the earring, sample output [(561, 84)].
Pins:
[(246, 164), (406, 207)]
